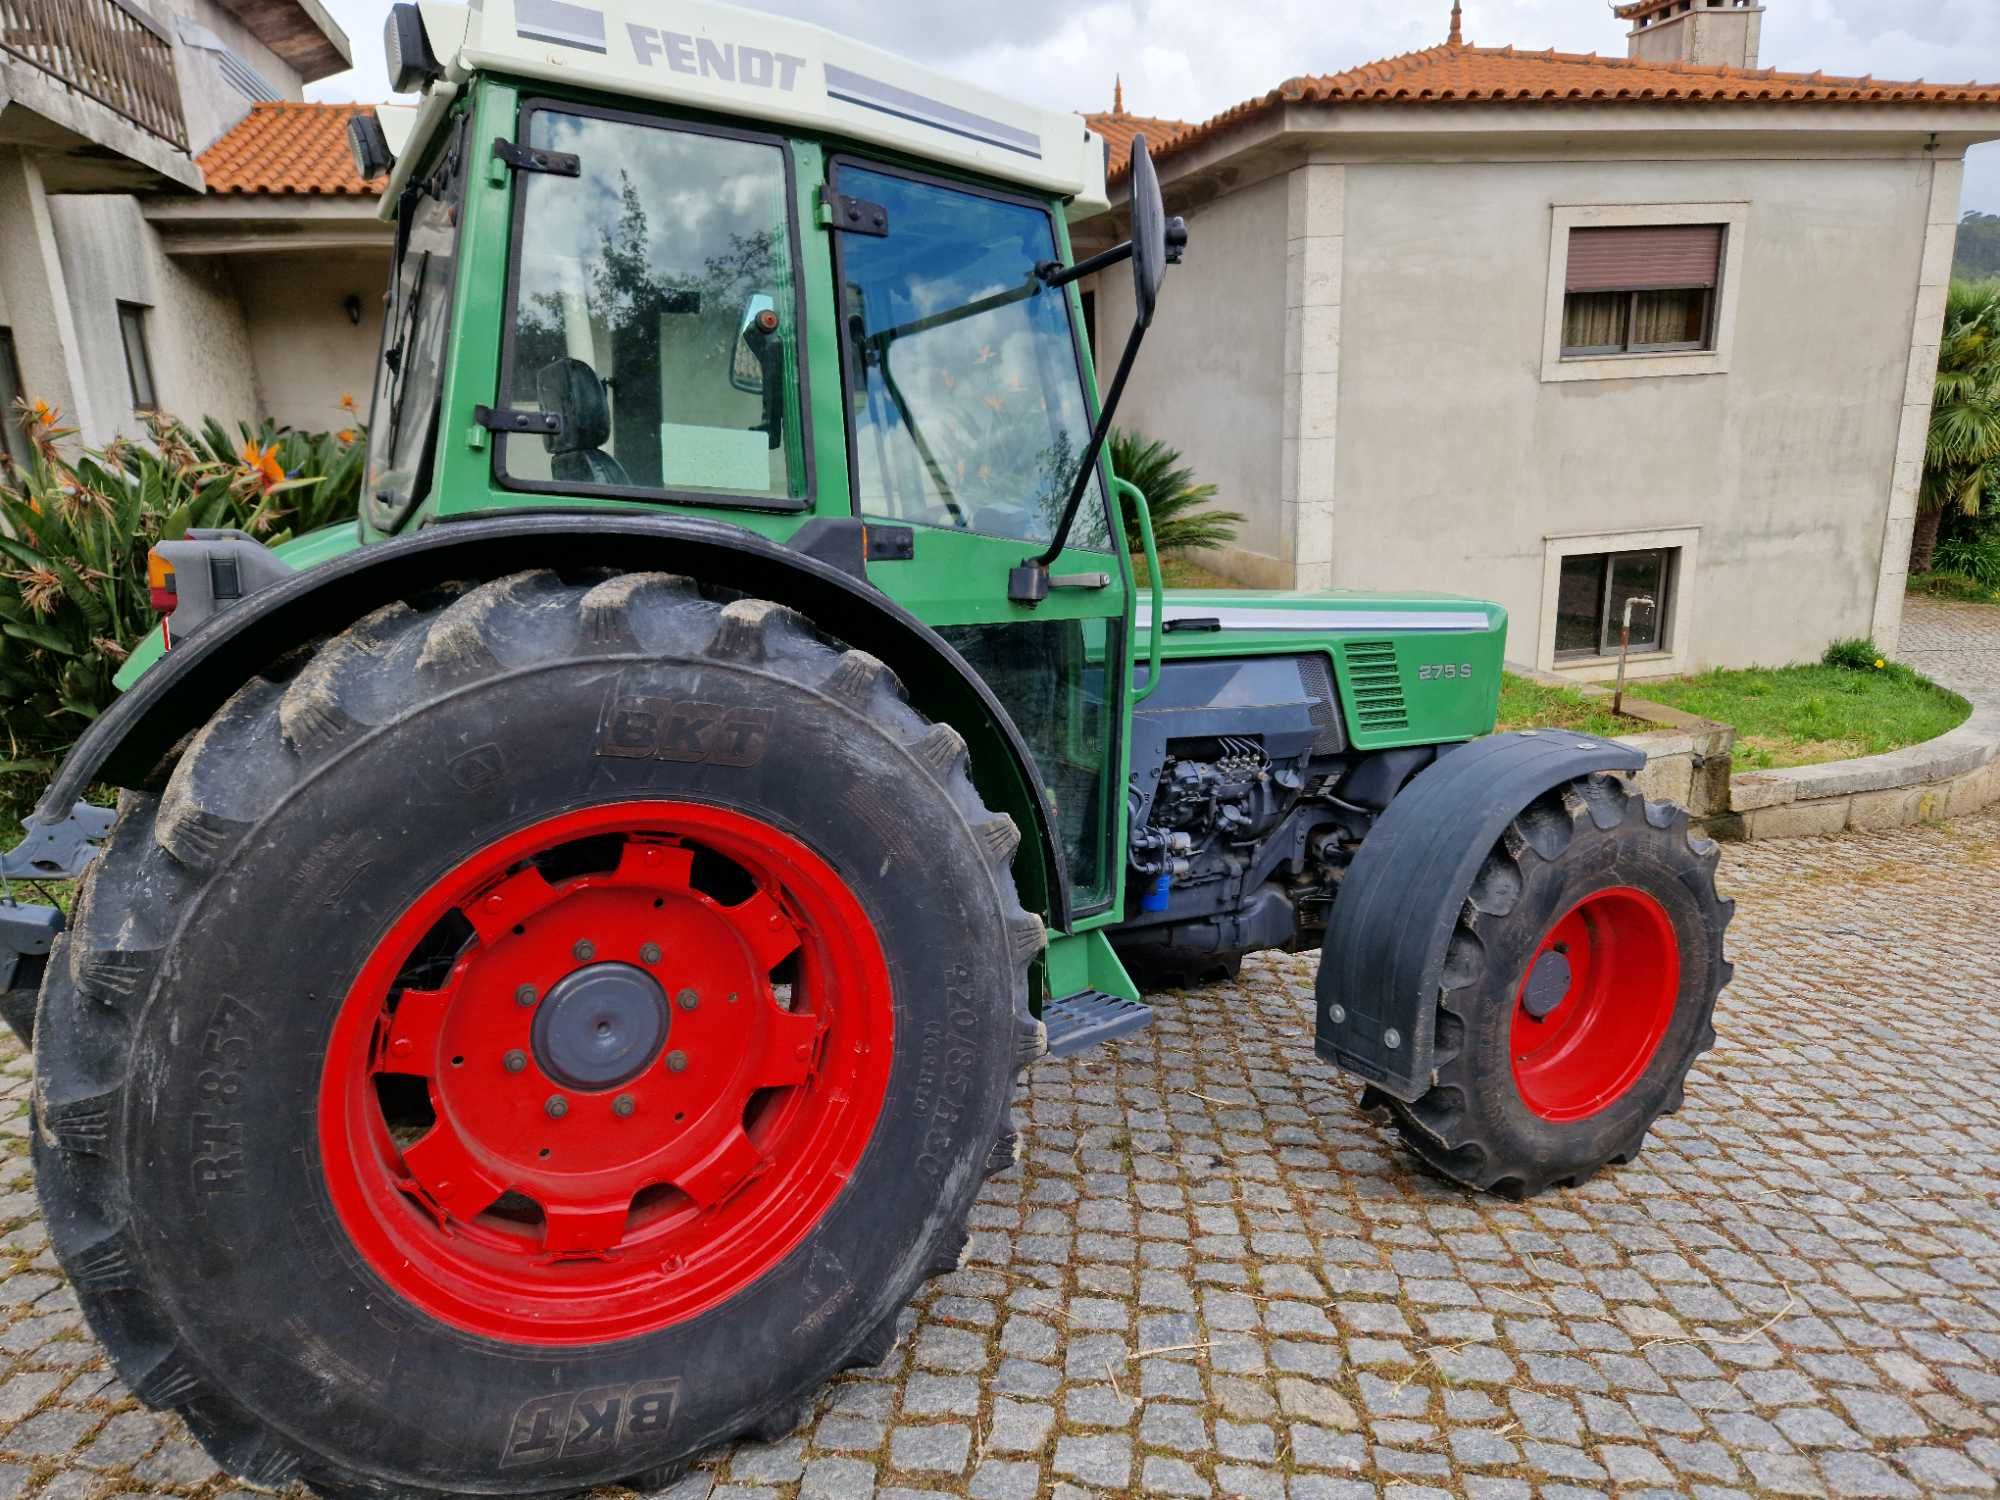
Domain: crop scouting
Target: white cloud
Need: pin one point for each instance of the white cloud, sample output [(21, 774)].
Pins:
[(1193, 58)]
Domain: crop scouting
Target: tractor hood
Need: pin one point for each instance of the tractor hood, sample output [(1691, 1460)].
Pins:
[(1341, 612)]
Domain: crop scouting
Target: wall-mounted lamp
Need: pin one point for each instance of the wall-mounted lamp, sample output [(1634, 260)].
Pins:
[(352, 302)]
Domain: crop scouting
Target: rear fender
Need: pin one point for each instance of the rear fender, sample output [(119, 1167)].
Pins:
[(127, 744), (1383, 960)]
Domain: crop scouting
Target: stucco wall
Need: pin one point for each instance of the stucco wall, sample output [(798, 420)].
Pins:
[(194, 328), (1210, 379), (1456, 460), (307, 354)]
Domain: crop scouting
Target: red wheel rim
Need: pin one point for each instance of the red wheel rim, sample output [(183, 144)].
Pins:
[(704, 1123), (1595, 1004)]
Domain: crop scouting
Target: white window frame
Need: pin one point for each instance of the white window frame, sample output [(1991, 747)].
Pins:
[(1672, 658), (1735, 219)]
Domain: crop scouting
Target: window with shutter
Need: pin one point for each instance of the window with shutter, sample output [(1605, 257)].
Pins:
[(1647, 289)]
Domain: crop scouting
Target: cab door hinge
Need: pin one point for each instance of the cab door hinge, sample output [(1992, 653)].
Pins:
[(852, 215), (530, 159)]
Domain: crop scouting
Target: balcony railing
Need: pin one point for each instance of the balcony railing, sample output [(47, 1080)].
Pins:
[(109, 50)]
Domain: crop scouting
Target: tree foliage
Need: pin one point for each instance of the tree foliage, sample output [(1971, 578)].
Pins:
[(1978, 246), (1182, 520), (1962, 454)]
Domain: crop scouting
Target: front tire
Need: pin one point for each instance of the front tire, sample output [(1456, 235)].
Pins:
[(1578, 990), (544, 1037)]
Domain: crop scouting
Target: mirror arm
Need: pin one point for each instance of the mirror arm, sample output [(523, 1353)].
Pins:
[(1053, 273)]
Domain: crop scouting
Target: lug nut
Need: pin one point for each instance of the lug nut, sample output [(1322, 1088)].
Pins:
[(584, 950), (515, 1061), (525, 995), (650, 954), (623, 1105), (557, 1106), (677, 1062), (688, 999)]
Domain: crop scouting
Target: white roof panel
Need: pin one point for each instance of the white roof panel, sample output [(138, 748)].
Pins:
[(749, 64)]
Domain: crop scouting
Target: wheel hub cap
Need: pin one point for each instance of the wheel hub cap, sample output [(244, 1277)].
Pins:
[(601, 1027), (606, 1073), (1594, 1004)]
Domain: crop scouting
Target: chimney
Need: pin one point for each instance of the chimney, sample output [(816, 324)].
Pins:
[(1701, 33)]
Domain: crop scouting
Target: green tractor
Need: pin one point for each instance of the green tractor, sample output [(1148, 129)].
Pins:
[(557, 976)]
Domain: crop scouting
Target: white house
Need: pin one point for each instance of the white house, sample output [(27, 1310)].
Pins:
[(105, 107), (1564, 330)]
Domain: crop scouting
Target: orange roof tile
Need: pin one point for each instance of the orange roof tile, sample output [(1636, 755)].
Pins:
[(1458, 74), (1118, 129), (289, 148)]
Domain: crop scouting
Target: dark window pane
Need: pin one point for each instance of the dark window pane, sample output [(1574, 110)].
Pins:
[(138, 363), (1050, 676), (1668, 320), (1594, 322), (1636, 575), (1580, 605), (16, 438)]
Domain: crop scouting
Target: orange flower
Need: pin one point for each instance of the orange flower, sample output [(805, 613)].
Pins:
[(44, 415), (347, 401), (261, 466), (346, 435)]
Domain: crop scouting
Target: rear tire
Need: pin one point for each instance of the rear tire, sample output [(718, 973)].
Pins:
[(1579, 989), (253, 1226)]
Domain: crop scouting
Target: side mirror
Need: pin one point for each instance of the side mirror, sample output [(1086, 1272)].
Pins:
[(756, 343), (1149, 234)]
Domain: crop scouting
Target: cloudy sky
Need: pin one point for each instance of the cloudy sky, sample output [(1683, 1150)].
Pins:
[(1190, 59)]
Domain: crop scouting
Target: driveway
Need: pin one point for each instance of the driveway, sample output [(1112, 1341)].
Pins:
[(1955, 644), (1212, 1274)]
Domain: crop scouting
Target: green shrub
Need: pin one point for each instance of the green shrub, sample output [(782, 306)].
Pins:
[(1180, 521), (1857, 655), (1942, 585), (75, 528), (1977, 558)]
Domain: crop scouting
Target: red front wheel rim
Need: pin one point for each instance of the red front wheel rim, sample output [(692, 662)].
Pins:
[(1594, 1004), (606, 1073)]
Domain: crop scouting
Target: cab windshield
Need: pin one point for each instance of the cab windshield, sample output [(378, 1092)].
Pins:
[(964, 378)]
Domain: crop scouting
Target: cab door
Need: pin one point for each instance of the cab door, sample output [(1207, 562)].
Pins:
[(968, 408)]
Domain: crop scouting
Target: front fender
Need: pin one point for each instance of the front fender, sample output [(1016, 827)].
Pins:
[(126, 745), (1383, 959)]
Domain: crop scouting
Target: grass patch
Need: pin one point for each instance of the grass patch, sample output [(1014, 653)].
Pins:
[(1959, 586), (1527, 704), (1801, 716), (1179, 573)]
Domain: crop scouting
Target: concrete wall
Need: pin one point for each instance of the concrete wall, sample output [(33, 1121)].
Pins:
[(1456, 460), (210, 103), (306, 352), (195, 329), (1210, 380)]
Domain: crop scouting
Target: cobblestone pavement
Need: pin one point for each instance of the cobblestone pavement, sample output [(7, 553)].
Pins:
[(1955, 644), (1212, 1275)]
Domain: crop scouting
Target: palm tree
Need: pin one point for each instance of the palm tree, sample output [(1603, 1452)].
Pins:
[(1962, 456), (1180, 521)]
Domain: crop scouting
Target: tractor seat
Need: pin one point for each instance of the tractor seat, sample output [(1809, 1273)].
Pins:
[(571, 387)]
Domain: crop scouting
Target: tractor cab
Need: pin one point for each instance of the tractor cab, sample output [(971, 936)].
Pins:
[(742, 266)]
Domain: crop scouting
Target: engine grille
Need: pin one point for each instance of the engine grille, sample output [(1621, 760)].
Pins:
[(1377, 684), (1318, 682)]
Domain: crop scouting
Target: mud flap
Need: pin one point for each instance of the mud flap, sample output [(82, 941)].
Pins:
[(1380, 968)]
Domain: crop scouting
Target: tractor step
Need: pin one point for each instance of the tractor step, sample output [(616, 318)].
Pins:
[(1089, 1017)]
